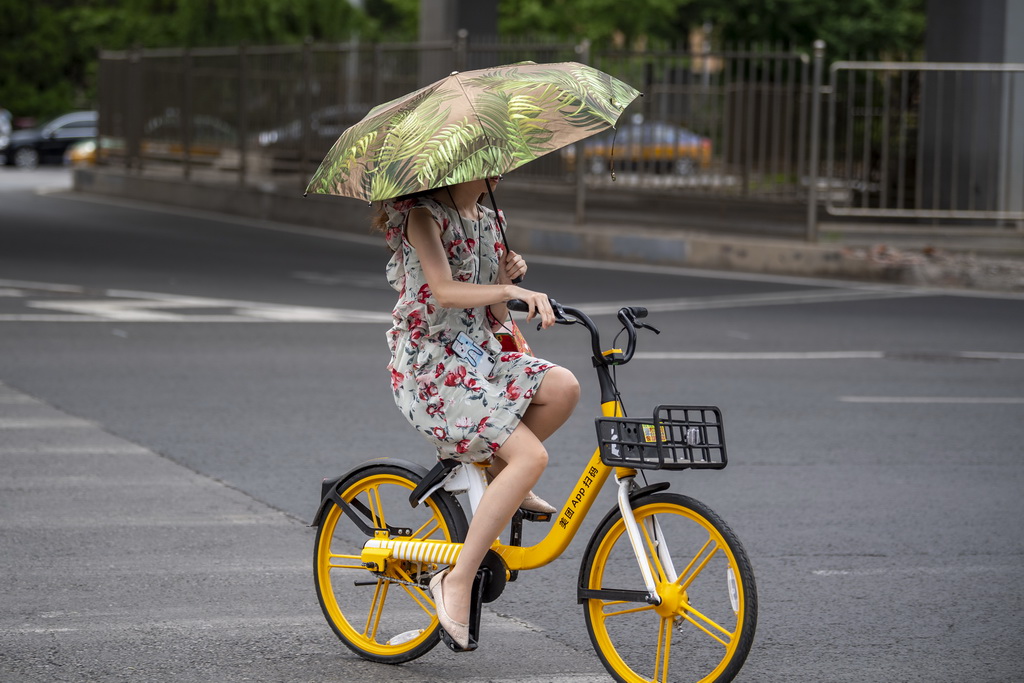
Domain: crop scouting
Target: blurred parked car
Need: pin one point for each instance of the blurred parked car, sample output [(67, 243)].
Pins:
[(325, 125), (47, 143), (209, 137), (5, 133), (82, 153), (282, 147), (646, 146)]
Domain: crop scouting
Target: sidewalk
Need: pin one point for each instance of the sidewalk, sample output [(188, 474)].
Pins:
[(630, 227)]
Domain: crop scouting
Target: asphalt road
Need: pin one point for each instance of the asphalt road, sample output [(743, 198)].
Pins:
[(174, 386)]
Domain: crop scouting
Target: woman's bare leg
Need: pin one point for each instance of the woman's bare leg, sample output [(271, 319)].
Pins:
[(556, 398), (525, 459), (552, 405), (517, 467)]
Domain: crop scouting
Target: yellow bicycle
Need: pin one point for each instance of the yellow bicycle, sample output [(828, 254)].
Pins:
[(667, 590)]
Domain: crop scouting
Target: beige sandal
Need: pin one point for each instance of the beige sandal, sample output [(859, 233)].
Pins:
[(458, 632), (534, 503)]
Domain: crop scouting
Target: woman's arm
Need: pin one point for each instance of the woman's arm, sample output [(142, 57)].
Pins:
[(424, 235), (512, 267)]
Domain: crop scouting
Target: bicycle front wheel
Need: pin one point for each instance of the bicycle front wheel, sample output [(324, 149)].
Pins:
[(386, 616), (704, 625)]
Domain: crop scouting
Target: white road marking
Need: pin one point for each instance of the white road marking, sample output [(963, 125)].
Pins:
[(75, 450), (44, 423), (136, 306), (14, 398), (909, 571), (755, 355), (817, 355), (746, 300), (954, 400), (992, 355)]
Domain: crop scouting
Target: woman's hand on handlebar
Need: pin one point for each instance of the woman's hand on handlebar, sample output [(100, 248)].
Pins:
[(540, 305)]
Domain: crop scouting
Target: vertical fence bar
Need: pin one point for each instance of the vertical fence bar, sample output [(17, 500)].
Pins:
[(583, 55), (748, 118), (954, 168), (243, 117), (972, 163), (1006, 131), (901, 163), (762, 89), (869, 117), (937, 142), (849, 120), (774, 153), (812, 190), (727, 111), (787, 119), (991, 194), (306, 110), (919, 176), (805, 100), (883, 173), (185, 114)]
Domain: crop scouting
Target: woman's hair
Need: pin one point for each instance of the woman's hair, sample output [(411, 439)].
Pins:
[(379, 222)]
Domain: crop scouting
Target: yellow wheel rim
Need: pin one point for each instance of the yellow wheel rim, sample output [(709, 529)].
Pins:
[(678, 612), (382, 616)]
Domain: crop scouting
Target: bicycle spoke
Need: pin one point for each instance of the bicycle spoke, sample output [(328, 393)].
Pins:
[(377, 508), (688, 615), (357, 562), (661, 657), (415, 592), (699, 568), (417, 597), (696, 557), (631, 610), (654, 559), (380, 594), (429, 528)]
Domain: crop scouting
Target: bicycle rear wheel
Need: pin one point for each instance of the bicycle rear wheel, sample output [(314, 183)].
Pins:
[(387, 616), (704, 626)]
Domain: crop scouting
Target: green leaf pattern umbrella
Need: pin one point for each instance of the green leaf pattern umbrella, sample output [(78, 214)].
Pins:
[(469, 126)]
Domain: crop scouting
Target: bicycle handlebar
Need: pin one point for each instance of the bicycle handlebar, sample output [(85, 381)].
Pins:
[(567, 315)]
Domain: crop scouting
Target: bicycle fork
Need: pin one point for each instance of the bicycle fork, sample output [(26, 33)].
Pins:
[(655, 535)]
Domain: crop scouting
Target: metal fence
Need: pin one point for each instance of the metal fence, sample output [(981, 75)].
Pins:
[(925, 141), (900, 140), (259, 112)]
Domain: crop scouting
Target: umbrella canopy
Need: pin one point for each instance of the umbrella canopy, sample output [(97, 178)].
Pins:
[(469, 126)]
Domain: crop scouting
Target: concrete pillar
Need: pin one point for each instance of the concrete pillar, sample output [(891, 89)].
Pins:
[(976, 123), (441, 21)]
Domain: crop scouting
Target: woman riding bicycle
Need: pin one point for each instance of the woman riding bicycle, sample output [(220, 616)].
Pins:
[(454, 274)]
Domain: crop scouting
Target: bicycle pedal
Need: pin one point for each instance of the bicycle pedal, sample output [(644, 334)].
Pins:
[(531, 516), (453, 646)]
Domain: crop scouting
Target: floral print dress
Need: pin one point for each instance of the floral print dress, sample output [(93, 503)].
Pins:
[(465, 414)]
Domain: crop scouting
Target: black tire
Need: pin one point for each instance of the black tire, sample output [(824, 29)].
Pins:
[(716, 592), (374, 615)]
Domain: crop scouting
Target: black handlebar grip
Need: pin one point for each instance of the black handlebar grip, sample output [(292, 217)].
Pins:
[(518, 305), (638, 311)]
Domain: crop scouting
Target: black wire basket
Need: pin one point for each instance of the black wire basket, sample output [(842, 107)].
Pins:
[(676, 438)]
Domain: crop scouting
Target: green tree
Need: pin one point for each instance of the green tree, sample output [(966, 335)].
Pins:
[(49, 48), (848, 26)]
